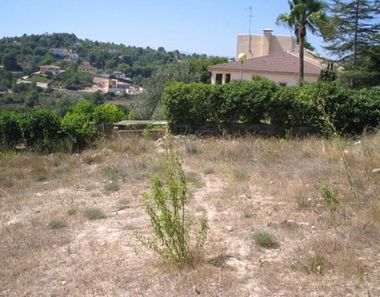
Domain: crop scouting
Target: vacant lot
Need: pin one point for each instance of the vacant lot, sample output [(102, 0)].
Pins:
[(287, 218)]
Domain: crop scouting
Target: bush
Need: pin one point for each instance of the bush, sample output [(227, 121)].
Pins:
[(107, 113), (94, 214), (324, 107), (165, 206), (57, 224), (265, 240), (39, 128), (82, 120), (187, 104), (10, 133)]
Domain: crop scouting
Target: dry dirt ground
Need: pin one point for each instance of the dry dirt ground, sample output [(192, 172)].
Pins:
[(49, 246)]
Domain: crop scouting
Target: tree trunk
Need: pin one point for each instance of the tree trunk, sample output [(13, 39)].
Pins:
[(356, 32), (301, 49)]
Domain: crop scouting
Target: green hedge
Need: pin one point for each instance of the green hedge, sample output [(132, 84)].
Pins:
[(10, 133), (316, 106), (44, 130)]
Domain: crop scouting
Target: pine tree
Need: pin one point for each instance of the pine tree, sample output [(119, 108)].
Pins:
[(354, 29)]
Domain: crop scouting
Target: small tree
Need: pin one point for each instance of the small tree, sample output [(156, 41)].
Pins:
[(165, 206)]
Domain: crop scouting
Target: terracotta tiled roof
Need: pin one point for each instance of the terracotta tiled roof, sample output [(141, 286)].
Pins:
[(279, 63)]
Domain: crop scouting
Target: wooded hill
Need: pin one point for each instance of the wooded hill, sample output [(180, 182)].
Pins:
[(28, 52)]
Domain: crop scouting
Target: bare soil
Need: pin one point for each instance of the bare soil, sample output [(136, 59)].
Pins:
[(243, 185)]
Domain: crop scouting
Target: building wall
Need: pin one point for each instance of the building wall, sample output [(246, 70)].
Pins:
[(261, 47), (289, 79)]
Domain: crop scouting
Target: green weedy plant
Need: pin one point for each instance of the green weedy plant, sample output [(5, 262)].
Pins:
[(330, 196), (165, 206)]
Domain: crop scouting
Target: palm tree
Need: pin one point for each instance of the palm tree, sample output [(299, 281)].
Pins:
[(304, 15)]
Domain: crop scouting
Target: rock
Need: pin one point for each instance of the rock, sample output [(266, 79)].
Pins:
[(229, 228), (376, 170)]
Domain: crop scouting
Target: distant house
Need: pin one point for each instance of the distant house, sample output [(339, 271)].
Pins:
[(43, 85), (110, 84), (53, 69), (87, 67), (270, 56)]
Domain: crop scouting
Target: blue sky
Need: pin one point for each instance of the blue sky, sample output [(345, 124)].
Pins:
[(208, 26)]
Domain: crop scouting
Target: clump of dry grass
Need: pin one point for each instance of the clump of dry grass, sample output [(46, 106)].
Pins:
[(94, 214), (57, 224), (266, 240)]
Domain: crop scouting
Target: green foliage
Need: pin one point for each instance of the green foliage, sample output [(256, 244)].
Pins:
[(328, 74), (39, 128), (330, 196), (316, 106), (188, 104), (9, 60), (82, 120), (5, 78), (107, 113), (73, 80), (33, 51), (10, 133), (165, 206), (265, 240), (303, 16), (78, 124), (149, 104)]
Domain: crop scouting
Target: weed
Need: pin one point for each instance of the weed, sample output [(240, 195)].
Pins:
[(41, 178), (94, 214), (316, 264), (195, 179), (192, 148), (240, 175), (165, 206), (72, 211), (111, 187), (57, 224), (330, 196), (113, 173), (303, 202), (124, 201), (265, 240)]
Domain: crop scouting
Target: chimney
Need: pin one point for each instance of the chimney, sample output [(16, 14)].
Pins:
[(267, 36)]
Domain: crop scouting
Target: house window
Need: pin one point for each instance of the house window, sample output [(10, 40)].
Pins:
[(282, 84), (228, 78), (219, 78)]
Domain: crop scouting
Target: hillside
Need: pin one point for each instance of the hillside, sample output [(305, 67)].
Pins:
[(28, 52), (69, 221)]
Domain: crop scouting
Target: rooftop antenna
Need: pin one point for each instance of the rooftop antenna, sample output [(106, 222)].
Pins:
[(249, 30)]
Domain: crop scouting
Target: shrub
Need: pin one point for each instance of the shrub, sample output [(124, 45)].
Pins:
[(265, 240), (39, 128), (187, 104), (330, 196), (318, 106), (57, 224), (10, 133), (107, 113), (82, 120), (94, 214), (165, 206), (78, 124)]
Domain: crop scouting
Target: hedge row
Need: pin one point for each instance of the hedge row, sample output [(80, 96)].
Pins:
[(44, 129), (319, 106)]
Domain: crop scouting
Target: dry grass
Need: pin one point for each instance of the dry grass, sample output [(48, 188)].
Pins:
[(243, 185)]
